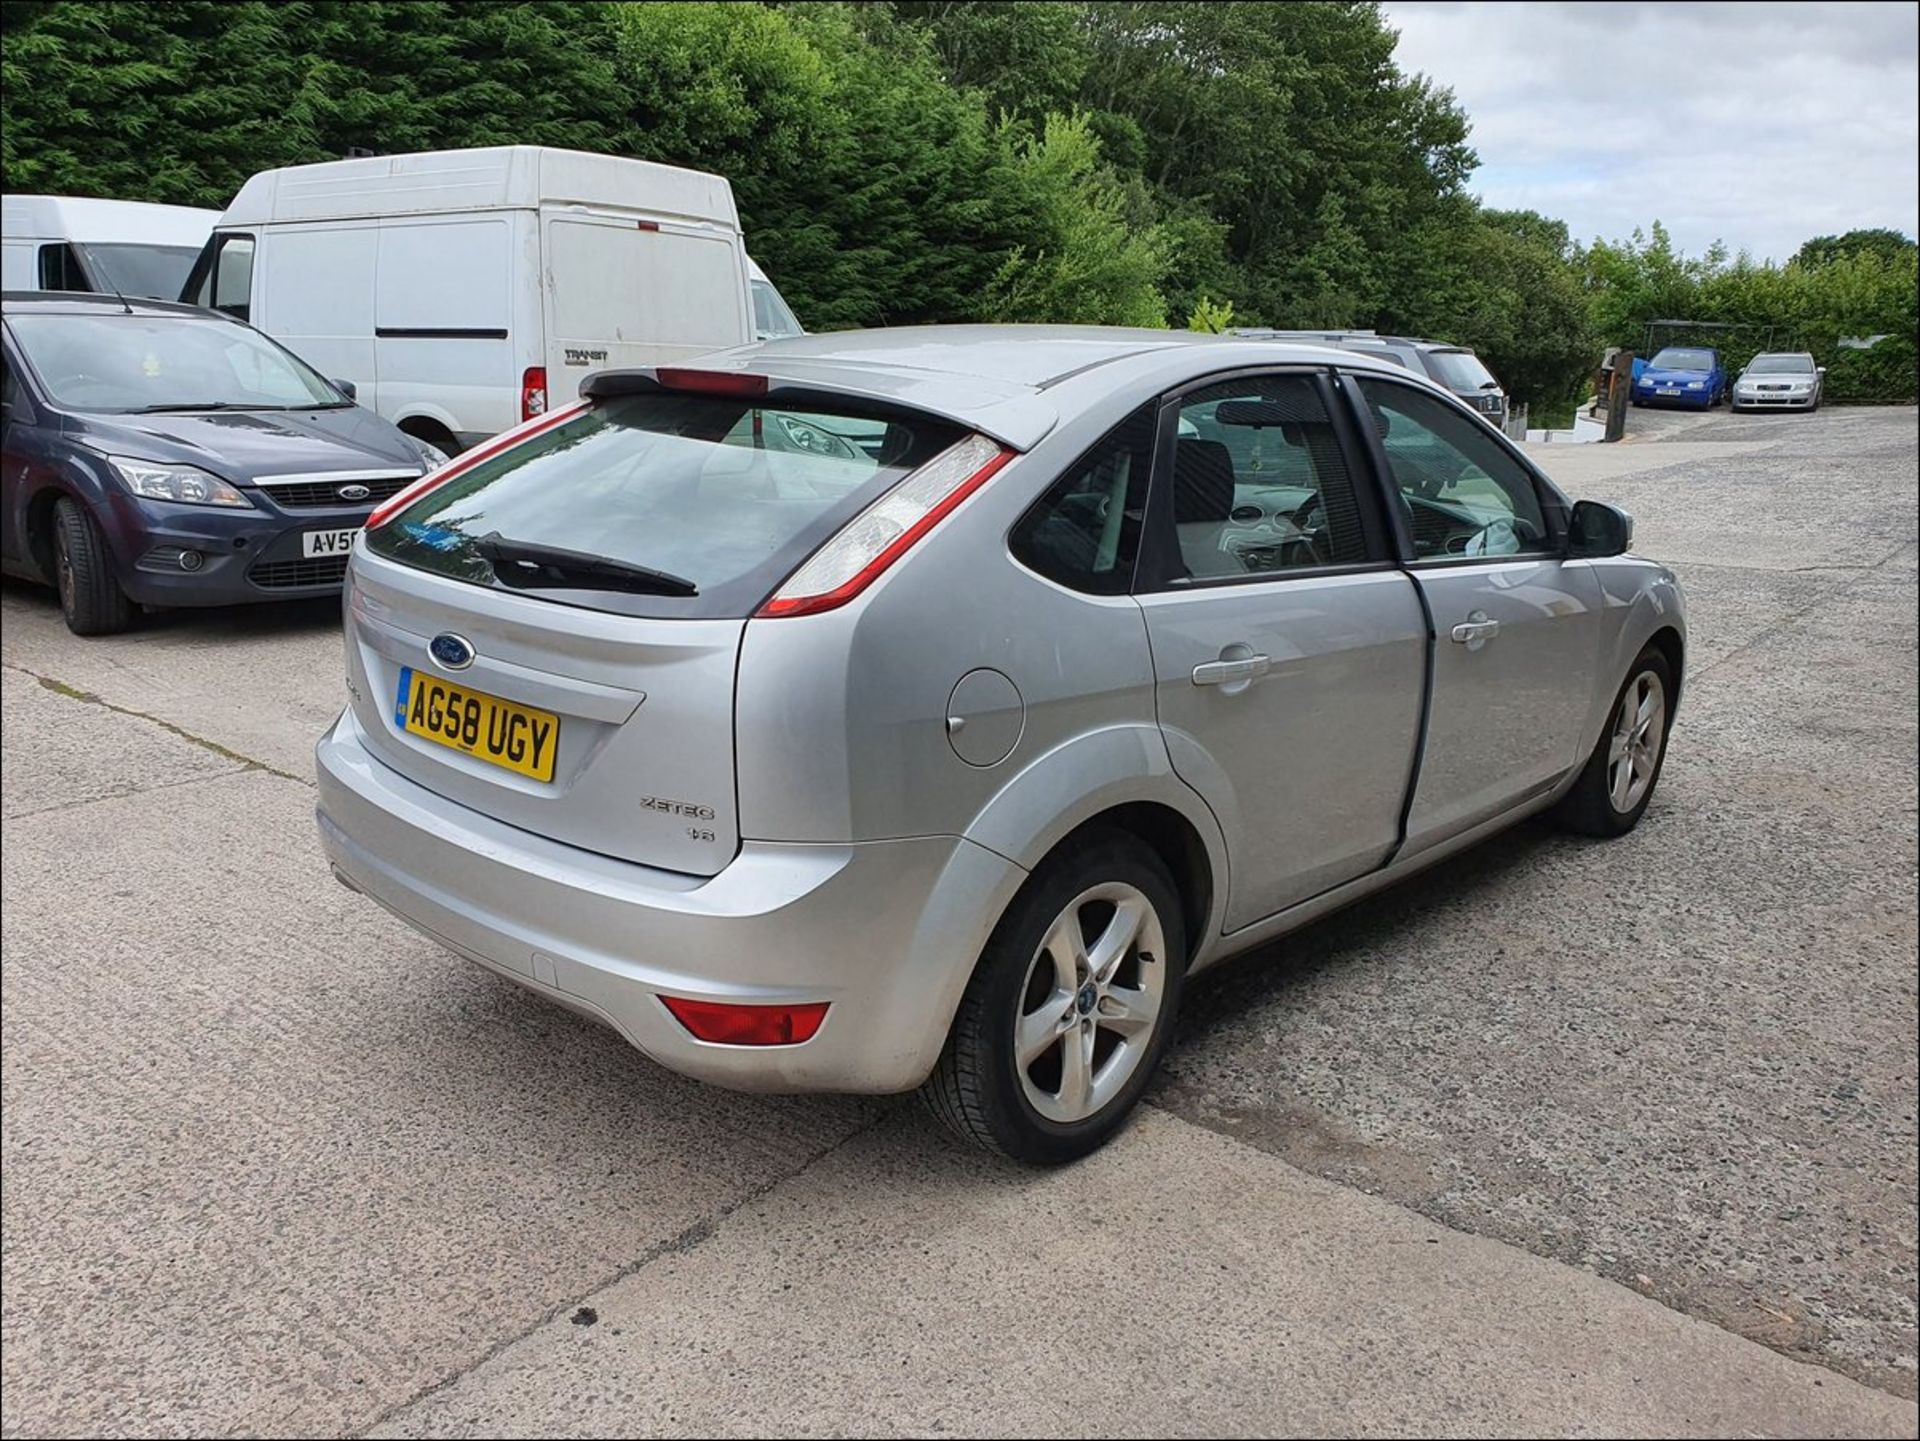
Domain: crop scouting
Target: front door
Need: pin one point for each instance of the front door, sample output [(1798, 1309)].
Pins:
[(1516, 626), (1289, 655)]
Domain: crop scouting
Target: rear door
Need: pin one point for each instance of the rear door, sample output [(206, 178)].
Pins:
[(622, 290), (1289, 652), (1516, 624)]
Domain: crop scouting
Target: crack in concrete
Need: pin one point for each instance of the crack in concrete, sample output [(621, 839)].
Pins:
[(244, 762), (680, 1243), (1694, 676)]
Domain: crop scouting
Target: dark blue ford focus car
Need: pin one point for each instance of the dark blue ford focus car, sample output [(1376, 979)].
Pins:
[(1689, 375), (165, 455)]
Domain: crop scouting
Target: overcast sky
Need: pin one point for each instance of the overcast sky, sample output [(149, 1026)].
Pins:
[(1757, 124)]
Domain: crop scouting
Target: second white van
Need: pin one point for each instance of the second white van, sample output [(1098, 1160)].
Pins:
[(73, 242), (461, 291)]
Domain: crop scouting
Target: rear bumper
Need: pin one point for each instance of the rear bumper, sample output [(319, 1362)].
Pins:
[(886, 932)]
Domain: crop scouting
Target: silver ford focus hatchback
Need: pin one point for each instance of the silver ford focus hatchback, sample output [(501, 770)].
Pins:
[(922, 707)]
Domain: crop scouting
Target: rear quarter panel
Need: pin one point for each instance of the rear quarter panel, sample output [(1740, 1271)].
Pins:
[(843, 716)]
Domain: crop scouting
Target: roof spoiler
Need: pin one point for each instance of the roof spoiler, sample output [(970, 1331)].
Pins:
[(751, 385)]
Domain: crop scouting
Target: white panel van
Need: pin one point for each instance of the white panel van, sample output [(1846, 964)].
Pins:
[(70, 242), (459, 290)]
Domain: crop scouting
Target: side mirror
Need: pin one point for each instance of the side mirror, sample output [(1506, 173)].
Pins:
[(346, 388), (1819, 370), (1597, 530)]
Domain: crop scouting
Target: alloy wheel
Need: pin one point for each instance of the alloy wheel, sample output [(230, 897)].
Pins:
[(1633, 752), (1092, 995)]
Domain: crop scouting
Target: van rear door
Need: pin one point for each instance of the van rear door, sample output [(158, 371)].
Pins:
[(625, 290)]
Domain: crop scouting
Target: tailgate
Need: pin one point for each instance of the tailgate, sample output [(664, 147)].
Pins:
[(641, 711)]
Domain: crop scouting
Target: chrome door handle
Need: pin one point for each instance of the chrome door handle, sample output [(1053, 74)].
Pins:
[(1474, 632), (1229, 672)]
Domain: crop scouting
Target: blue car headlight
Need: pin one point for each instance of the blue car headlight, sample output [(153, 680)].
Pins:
[(1696, 385)]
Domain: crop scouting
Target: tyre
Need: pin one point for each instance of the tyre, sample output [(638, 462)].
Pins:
[(1070, 1007), (1617, 783), (90, 598)]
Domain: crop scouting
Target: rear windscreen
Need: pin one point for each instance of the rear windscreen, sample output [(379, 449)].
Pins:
[(1460, 371), (661, 504)]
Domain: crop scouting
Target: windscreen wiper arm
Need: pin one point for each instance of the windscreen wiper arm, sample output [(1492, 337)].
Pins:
[(521, 564), (188, 405)]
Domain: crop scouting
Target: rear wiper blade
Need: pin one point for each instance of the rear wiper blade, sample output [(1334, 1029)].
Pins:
[(520, 563)]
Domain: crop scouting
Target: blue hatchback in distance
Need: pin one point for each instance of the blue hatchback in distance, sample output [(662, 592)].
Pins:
[(1686, 375)]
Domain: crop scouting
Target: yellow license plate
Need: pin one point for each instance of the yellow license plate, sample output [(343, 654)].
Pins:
[(517, 737)]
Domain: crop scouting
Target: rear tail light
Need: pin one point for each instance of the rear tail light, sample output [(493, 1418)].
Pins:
[(467, 459), (533, 392), (887, 529), (711, 382), (725, 1024)]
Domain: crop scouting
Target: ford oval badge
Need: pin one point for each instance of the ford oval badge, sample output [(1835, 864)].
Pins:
[(353, 492), (455, 652)]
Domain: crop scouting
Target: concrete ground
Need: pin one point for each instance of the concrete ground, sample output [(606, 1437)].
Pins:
[(1566, 1139)]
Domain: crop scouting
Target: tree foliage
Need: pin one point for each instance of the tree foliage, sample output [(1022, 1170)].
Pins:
[(923, 160)]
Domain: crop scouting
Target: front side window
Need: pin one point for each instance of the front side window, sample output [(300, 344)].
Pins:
[(661, 503), (1085, 531), (60, 269), (1259, 481), (112, 361), (223, 275), (1461, 493)]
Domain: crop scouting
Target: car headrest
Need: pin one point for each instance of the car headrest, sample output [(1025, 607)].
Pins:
[(1202, 481)]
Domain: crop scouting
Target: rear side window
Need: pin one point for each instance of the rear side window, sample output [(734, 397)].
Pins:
[(1260, 483), (662, 504), (1085, 531)]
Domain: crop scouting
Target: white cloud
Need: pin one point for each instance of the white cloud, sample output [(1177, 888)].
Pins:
[(1759, 124)]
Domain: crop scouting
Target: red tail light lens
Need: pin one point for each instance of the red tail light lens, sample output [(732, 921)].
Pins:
[(887, 529), (466, 460), (711, 382), (533, 392), (724, 1024)]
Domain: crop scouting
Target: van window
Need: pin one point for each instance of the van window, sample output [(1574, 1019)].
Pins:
[(223, 275), (60, 268), (144, 272), (721, 495), (772, 320)]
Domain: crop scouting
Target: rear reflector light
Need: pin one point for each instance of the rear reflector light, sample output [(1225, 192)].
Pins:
[(533, 392), (466, 461), (724, 1024), (887, 529), (711, 382)]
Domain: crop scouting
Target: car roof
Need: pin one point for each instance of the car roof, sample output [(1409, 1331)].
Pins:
[(994, 378), (80, 302)]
